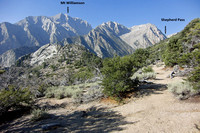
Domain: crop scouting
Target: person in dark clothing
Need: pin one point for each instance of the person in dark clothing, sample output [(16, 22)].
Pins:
[(172, 74)]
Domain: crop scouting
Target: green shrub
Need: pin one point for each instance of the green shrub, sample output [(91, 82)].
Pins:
[(13, 98), (68, 61), (139, 58), (194, 78), (2, 71), (173, 51), (44, 65), (83, 74), (196, 54), (181, 48), (38, 114), (41, 90), (185, 59), (147, 69), (117, 73), (18, 63), (78, 63), (53, 67)]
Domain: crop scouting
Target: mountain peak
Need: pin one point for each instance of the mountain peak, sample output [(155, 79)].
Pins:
[(40, 30), (60, 15), (143, 26), (63, 18), (113, 27), (142, 36), (111, 24)]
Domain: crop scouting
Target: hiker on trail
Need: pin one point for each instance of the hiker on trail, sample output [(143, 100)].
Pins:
[(172, 74)]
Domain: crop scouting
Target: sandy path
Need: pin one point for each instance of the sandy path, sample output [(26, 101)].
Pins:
[(160, 112)]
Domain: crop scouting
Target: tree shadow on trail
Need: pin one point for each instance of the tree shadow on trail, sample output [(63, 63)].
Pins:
[(147, 89), (94, 119)]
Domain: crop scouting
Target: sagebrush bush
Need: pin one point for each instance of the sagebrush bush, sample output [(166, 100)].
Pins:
[(182, 90), (147, 69), (62, 92), (144, 76), (38, 114)]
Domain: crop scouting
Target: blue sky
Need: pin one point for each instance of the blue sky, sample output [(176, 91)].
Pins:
[(125, 12)]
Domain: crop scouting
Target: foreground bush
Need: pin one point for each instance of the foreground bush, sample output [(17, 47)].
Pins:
[(182, 90), (83, 74), (38, 114), (144, 76), (194, 78), (148, 69), (63, 91), (117, 73), (13, 98)]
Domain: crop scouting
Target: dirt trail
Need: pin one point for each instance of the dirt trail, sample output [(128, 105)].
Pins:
[(158, 112), (161, 112)]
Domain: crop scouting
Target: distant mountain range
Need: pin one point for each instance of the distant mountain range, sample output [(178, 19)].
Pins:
[(40, 30), (111, 38), (106, 40)]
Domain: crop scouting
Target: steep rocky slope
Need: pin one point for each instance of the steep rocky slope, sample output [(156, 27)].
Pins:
[(111, 38), (40, 30), (52, 64), (106, 40), (143, 36), (9, 58)]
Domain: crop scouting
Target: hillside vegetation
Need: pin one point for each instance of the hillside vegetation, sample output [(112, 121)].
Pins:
[(182, 49), (76, 73), (55, 77)]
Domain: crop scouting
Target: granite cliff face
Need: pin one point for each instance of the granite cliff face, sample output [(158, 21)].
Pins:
[(104, 40), (44, 53), (40, 30), (143, 36), (9, 58), (111, 38)]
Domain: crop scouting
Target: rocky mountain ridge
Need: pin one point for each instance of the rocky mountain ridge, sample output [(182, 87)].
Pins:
[(143, 36), (9, 58), (40, 30), (52, 64), (106, 40), (111, 38)]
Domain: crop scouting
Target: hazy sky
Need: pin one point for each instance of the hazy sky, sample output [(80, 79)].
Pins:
[(125, 12)]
